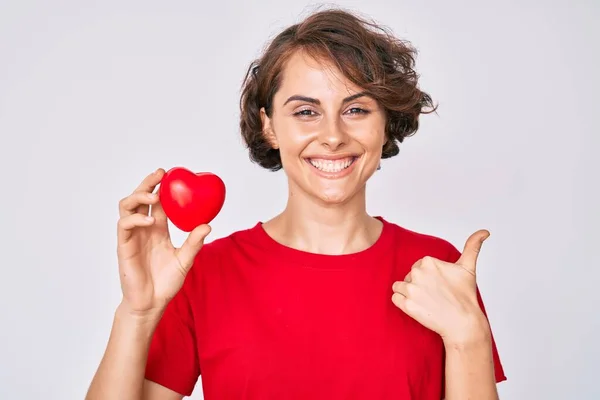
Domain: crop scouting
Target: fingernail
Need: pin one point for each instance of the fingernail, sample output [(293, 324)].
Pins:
[(149, 218)]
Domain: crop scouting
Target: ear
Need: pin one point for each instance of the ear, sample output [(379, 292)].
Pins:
[(267, 129)]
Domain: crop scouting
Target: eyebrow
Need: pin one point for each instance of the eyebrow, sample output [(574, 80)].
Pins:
[(318, 102)]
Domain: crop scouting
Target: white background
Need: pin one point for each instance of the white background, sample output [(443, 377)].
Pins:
[(95, 95)]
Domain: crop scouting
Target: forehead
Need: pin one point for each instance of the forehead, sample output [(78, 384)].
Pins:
[(303, 74)]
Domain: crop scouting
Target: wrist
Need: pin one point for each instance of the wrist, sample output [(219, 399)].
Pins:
[(141, 320), (474, 330)]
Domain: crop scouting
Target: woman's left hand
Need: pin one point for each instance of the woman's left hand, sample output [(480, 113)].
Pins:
[(442, 296)]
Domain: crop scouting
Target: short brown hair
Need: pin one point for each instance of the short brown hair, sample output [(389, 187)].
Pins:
[(366, 53)]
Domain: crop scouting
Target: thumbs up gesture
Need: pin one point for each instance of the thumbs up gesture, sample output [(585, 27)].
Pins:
[(442, 296)]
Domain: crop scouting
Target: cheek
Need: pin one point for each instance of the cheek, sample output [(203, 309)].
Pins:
[(370, 133), (371, 140), (294, 138), (291, 145)]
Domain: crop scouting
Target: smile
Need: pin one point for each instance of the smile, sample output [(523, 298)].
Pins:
[(332, 168)]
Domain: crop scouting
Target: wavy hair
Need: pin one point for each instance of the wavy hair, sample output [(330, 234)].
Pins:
[(366, 54)]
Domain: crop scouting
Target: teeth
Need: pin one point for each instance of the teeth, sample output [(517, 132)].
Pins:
[(332, 165)]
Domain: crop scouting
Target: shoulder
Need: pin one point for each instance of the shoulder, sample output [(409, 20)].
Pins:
[(241, 241), (425, 244), (241, 238), (218, 256)]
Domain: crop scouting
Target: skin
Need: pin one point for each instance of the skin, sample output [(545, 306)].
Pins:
[(443, 297), (151, 271), (328, 216), (325, 213)]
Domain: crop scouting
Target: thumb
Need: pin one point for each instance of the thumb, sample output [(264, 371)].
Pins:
[(192, 245), (468, 259)]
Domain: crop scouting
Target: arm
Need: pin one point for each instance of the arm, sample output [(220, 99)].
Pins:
[(121, 371), (443, 296), (151, 271), (470, 365)]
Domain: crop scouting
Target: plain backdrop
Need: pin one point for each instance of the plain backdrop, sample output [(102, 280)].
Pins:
[(95, 95)]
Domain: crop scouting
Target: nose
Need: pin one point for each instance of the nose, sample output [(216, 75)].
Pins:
[(333, 135)]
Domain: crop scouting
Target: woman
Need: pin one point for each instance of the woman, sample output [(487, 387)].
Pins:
[(323, 301)]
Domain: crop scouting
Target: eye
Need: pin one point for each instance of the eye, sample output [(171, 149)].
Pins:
[(358, 110), (305, 113)]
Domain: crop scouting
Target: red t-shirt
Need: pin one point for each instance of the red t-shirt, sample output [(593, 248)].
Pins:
[(259, 320)]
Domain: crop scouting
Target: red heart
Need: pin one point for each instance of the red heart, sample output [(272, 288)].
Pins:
[(191, 199)]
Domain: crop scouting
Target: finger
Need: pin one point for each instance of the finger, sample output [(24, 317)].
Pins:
[(409, 306), (471, 251), (191, 246), (401, 288), (132, 203), (408, 277), (150, 181), (126, 225), (148, 185), (158, 213), (421, 263), (399, 301)]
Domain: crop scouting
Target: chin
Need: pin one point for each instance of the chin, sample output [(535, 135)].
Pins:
[(331, 195), (333, 198)]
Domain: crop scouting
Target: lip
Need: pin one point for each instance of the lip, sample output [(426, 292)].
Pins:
[(333, 175), (332, 156)]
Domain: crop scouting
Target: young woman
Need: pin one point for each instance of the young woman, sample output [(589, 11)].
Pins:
[(323, 301)]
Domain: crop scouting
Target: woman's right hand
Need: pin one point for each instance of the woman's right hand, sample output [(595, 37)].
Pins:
[(151, 269)]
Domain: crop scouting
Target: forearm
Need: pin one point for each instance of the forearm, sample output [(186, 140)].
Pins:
[(470, 366), (122, 369)]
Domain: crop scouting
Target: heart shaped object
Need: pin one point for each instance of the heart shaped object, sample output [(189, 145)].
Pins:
[(191, 199)]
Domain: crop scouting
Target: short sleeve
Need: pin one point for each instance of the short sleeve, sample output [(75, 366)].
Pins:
[(498, 368), (173, 356)]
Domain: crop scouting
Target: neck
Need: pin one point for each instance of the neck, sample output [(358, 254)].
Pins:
[(311, 225)]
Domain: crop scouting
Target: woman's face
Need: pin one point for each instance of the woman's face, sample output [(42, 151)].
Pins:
[(329, 134)]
